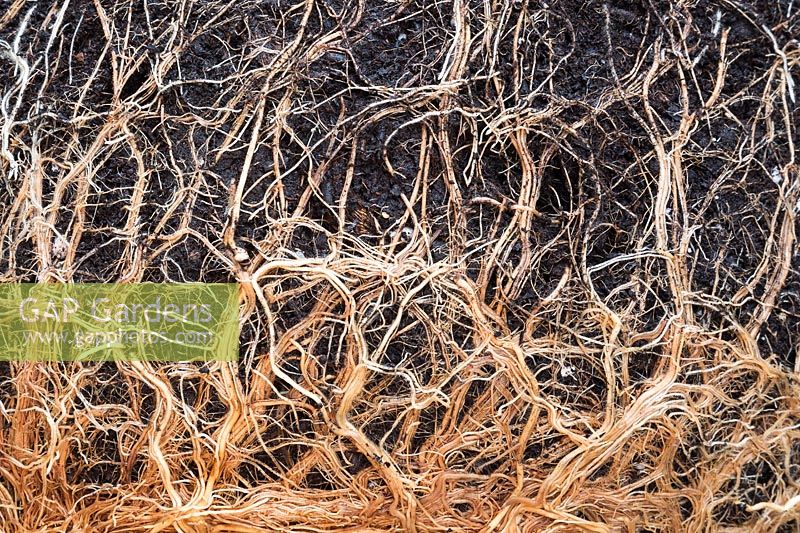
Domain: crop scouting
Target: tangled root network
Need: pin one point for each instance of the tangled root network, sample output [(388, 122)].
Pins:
[(505, 265)]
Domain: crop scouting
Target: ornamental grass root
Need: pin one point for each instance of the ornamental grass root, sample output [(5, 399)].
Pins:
[(504, 266)]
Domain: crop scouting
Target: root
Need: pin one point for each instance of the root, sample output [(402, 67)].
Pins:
[(500, 269)]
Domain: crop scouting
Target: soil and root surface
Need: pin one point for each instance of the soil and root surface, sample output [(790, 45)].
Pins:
[(505, 264)]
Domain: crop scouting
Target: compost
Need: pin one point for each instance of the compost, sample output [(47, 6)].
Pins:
[(505, 265)]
